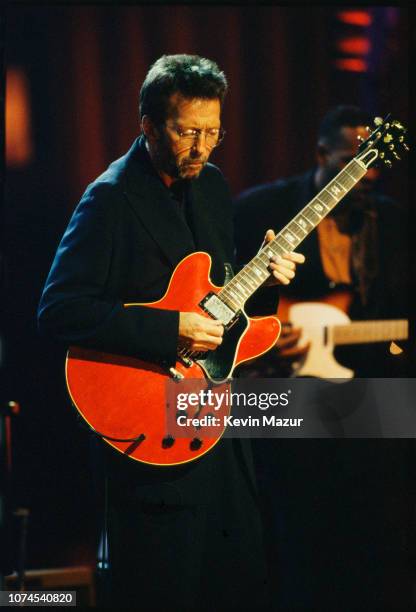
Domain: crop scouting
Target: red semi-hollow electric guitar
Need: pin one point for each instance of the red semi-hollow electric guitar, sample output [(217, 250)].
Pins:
[(123, 399)]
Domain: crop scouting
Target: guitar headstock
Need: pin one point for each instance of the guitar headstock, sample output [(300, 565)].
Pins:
[(385, 144)]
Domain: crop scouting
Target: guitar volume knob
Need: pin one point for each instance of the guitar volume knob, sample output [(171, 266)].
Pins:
[(195, 444), (168, 442)]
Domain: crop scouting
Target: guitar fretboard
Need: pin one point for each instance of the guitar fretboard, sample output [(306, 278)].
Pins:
[(370, 331), (248, 280)]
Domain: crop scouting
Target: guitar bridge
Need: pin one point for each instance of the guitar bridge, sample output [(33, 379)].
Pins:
[(217, 309)]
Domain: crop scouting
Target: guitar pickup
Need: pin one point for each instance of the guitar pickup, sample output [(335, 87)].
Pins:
[(217, 309), (187, 362)]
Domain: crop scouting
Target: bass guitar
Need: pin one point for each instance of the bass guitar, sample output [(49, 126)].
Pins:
[(123, 399)]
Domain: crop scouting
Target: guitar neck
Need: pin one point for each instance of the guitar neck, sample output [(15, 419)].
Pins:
[(360, 332), (237, 291)]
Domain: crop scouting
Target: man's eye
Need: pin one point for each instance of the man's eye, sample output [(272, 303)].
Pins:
[(213, 132), (189, 132)]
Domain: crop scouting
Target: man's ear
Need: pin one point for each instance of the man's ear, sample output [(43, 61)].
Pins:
[(148, 128), (321, 154)]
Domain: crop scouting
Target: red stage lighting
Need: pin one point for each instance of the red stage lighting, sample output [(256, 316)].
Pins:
[(351, 64), (357, 18), (19, 148), (357, 45)]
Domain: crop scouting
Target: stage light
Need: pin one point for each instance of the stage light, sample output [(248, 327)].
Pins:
[(356, 18), (357, 45), (19, 147), (351, 64)]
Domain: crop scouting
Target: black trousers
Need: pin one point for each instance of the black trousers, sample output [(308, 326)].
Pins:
[(187, 543)]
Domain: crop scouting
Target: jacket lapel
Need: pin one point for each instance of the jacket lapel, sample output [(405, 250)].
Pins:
[(154, 206), (206, 230)]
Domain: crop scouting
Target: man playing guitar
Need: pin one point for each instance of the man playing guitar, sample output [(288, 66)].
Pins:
[(186, 536)]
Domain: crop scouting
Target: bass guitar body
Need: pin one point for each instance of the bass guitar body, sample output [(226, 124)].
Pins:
[(123, 398)]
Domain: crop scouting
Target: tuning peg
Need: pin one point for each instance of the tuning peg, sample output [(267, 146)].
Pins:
[(368, 129), (395, 155), (388, 163), (391, 147), (360, 138), (382, 155), (398, 125), (378, 121), (402, 142)]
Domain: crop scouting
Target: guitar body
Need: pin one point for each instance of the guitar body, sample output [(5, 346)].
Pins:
[(124, 398), (314, 318), (340, 299)]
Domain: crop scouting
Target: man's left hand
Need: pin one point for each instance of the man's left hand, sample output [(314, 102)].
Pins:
[(283, 268)]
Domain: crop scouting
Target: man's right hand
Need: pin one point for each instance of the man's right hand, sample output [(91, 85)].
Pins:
[(198, 333)]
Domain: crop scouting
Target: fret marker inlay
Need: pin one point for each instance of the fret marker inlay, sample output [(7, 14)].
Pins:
[(335, 190), (289, 237)]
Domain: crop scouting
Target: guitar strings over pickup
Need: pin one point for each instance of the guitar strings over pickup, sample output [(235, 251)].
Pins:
[(184, 358), (217, 309)]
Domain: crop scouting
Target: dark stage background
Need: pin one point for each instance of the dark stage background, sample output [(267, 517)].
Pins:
[(83, 66)]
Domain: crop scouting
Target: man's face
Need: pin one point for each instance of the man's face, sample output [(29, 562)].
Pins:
[(334, 160), (174, 156)]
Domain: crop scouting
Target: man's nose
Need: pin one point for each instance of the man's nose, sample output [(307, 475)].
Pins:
[(200, 143)]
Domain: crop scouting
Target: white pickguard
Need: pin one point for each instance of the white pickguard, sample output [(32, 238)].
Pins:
[(312, 318)]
